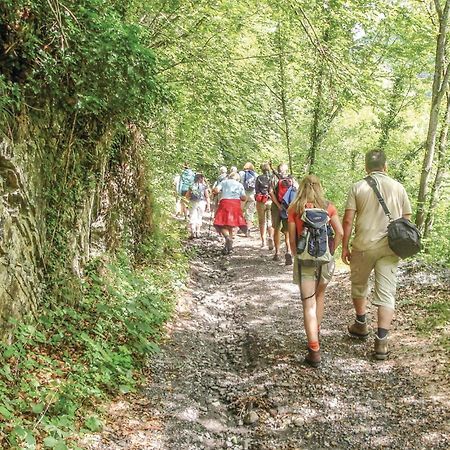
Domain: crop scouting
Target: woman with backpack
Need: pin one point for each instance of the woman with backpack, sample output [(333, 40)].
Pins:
[(263, 205), (229, 213), (312, 273), (198, 196)]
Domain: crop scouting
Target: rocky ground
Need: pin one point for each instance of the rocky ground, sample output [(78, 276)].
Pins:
[(231, 375)]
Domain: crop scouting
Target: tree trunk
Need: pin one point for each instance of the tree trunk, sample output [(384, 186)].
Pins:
[(388, 122), (283, 96), (315, 126), (440, 86), (440, 172)]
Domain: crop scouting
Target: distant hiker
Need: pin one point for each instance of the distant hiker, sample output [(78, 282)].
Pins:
[(186, 180), (198, 203), (248, 180), (280, 185), (216, 197), (233, 169), (229, 213), (313, 246), (370, 249), (263, 205)]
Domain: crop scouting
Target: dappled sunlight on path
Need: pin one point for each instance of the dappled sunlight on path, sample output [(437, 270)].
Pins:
[(231, 374)]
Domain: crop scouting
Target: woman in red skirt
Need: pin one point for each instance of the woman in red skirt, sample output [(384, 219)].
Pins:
[(229, 213)]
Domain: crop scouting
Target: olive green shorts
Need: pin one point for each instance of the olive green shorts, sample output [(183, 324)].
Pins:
[(277, 221), (384, 262), (311, 273)]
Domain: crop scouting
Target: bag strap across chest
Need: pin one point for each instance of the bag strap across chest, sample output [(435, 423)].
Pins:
[(373, 184)]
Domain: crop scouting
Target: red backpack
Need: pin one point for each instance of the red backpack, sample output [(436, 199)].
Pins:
[(282, 187)]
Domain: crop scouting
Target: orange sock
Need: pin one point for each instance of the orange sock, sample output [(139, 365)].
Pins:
[(314, 346)]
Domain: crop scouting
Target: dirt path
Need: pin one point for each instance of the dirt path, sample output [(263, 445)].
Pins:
[(230, 375)]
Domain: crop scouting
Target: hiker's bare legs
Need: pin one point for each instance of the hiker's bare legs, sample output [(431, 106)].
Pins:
[(320, 302), (360, 305), (308, 288), (277, 240), (270, 232), (260, 209), (385, 316), (288, 244)]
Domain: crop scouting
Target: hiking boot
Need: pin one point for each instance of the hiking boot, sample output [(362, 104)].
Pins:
[(276, 257), (288, 258), (359, 329), (381, 348), (313, 358), (270, 243)]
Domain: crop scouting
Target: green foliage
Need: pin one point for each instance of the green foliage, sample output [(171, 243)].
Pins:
[(74, 356), (80, 56)]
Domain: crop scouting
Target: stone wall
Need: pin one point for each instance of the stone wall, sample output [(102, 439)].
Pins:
[(114, 210), (21, 233)]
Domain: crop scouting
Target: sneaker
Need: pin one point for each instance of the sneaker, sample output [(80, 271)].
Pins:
[(313, 358), (381, 348), (270, 243), (359, 329), (288, 258), (276, 257)]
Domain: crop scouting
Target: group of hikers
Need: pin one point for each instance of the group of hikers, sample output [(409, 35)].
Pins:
[(312, 231)]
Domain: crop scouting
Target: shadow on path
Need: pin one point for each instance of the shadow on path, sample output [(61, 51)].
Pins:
[(230, 376)]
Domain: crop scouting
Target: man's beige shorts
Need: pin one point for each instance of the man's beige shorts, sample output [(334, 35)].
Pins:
[(384, 262)]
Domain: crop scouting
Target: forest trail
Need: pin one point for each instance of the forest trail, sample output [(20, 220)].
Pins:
[(230, 374)]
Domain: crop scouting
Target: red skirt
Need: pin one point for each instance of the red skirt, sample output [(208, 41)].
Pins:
[(229, 214)]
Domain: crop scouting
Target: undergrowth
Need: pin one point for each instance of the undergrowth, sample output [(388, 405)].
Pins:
[(56, 371)]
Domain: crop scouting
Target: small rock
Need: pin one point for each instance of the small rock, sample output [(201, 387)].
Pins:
[(251, 418), (298, 421)]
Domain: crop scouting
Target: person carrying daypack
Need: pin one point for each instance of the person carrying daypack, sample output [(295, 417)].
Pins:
[(198, 202), (370, 250), (312, 223), (248, 180), (263, 205), (185, 182), (280, 185)]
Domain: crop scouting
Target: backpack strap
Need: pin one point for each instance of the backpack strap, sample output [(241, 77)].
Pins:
[(373, 184)]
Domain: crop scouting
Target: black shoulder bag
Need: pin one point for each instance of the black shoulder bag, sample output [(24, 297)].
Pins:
[(403, 235)]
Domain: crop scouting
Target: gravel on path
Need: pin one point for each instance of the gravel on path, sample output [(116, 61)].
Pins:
[(231, 375)]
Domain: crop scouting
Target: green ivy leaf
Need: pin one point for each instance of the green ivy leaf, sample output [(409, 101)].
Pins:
[(37, 408), (93, 423), (50, 442), (5, 413)]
